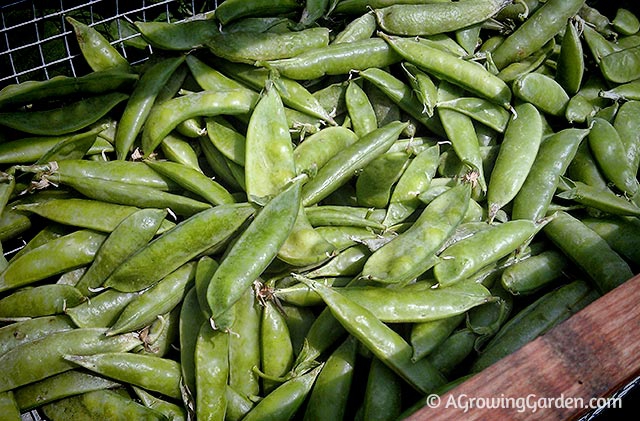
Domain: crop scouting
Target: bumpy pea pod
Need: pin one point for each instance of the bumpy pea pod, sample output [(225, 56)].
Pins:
[(555, 154), (32, 329), (140, 103), (244, 345), (542, 91), (36, 360), (588, 250), (43, 300), (468, 256), (191, 320), (177, 246), (276, 349), (532, 274), (269, 158), (96, 50), (517, 154), (57, 256), (330, 393), (180, 36), (436, 18), (375, 182), (252, 252), (101, 310), (230, 142), (69, 118), (341, 166), (413, 252), (627, 125), (166, 116), (381, 340), (153, 373), (570, 67), (170, 410), (286, 400), (236, 9), (304, 246), (359, 28), (212, 373), (540, 316), (536, 31)]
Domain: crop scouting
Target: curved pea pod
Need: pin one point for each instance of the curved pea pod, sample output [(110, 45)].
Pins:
[(350, 216), (340, 168), (230, 142), (588, 250), (596, 198), (212, 373), (191, 320), (69, 118), (348, 262), (140, 102), (598, 44), (43, 300), (177, 246), (530, 275), (166, 116), (304, 246), (534, 320), (471, 254), (244, 345), (584, 168), (157, 300), (609, 152), (453, 351), (179, 36), (36, 360), (382, 341), (250, 47), (236, 9), (626, 124), (102, 310), (361, 112), (627, 91), (621, 66), (194, 181), (220, 165), (317, 149), (252, 252), (300, 295), (15, 334), (269, 162), (515, 158), (526, 65), (28, 150), (555, 154), (170, 410), (383, 393), (620, 233), (276, 348), (423, 86), (57, 256), (480, 110), (413, 252), (426, 336), (537, 30), (375, 182), (285, 401), (570, 67), (625, 22), (149, 372), (96, 50), (358, 29), (543, 92), (445, 66), (336, 59), (60, 386), (330, 392), (435, 18)]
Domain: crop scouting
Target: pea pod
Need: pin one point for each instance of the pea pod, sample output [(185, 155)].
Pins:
[(191, 320), (543, 92), (383, 393), (621, 66), (532, 274), (212, 372), (32, 329), (375, 182), (9, 407), (276, 349), (244, 346), (604, 200), (362, 6), (182, 36), (570, 68), (318, 148), (620, 233), (101, 310), (359, 28), (426, 336), (170, 410), (304, 246), (236, 9), (96, 50), (230, 142), (43, 300)]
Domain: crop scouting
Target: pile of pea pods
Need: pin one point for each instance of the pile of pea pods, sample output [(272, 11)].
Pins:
[(312, 210)]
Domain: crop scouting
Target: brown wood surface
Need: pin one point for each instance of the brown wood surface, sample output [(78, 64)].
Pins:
[(590, 355)]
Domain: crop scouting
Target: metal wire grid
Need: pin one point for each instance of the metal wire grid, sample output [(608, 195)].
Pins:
[(36, 42)]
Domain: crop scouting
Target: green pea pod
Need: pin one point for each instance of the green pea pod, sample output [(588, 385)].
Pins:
[(252, 252), (361, 6), (181, 36), (469, 37), (481, 110), (621, 66), (330, 392), (570, 68), (237, 405), (626, 124), (453, 351), (348, 262), (543, 92), (193, 181), (554, 156), (43, 300), (527, 65), (177, 246), (204, 271), (517, 155), (244, 346), (358, 29), (269, 154), (301, 295), (250, 47), (96, 50), (363, 117), (383, 393), (30, 149), (582, 245), (220, 165), (426, 336), (69, 118), (627, 91), (170, 410), (471, 254), (413, 252), (75, 147), (304, 246), (535, 31), (153, 373), (375, 182), (276, 349), (212, 372), (166, 116), (349, 216), (9, 406), (435, 18), (57, 256), (211, 79), (102, 310), (604, 200), (317, 149), (620, 233), (373, 333), (236, 9), (159, 299), (625, 22), (341, 166), (299, 321), (140, 102), (230, 142), (192, 319), (286, 400), (60, 386), (532, 274), (12, 224), (28, 330), (36, 360)]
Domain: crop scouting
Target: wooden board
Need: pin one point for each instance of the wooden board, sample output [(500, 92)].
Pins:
[(590, 355)]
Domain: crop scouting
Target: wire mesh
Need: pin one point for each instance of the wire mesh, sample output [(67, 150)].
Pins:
[(37, 43)]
